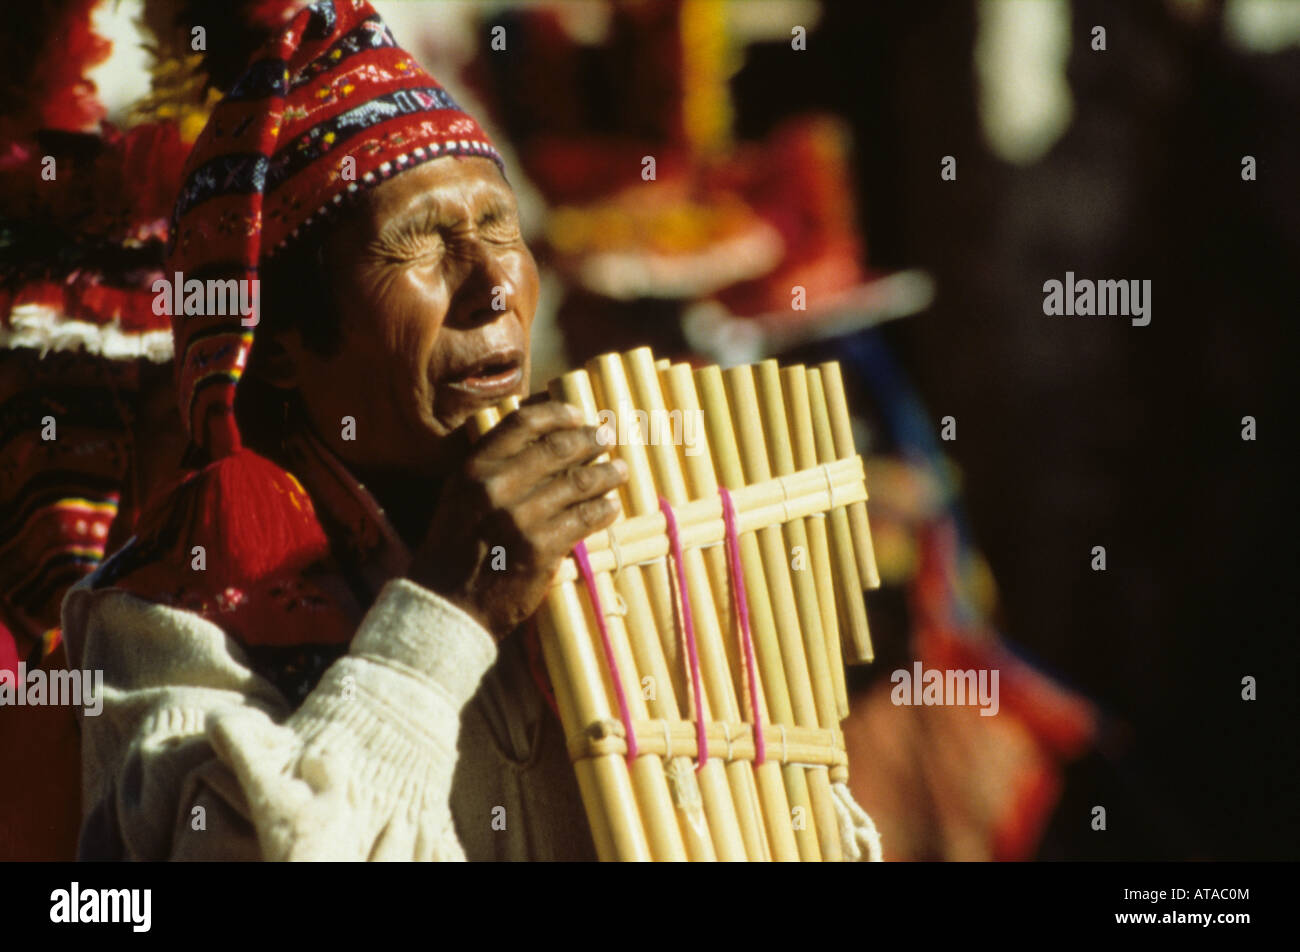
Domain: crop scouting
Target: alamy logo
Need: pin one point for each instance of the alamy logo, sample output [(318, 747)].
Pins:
[(635, 427), (211, 298), (62, 687), (946, 688), (103, 905), (1085, 298)]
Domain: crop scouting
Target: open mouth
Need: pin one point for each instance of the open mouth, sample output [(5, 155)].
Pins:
[(496, 375)]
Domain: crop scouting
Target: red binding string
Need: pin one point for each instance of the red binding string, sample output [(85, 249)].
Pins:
[(685, 623), (742, 614), (584, 567)]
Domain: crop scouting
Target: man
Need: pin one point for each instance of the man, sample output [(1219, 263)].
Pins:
[(285, 670), (307, 648)]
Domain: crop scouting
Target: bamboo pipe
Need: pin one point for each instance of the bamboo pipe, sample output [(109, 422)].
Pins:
[(711, 781), (703, 481), (759, 415), (678, 391), (583, 769), (842, 430), (808, 746), (650, 813), (699, 525), (642, 539), (776, 432), (579, 388), (794, 384), (814, 588), (715, 670), (673, 819), (639, 499), (604, 782), (479, 424), (852, 606), (767, 645)]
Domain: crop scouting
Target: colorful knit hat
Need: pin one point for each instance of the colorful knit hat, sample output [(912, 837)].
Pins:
[(331, 107)]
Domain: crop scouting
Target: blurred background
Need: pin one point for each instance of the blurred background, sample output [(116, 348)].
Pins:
[(799, 144)]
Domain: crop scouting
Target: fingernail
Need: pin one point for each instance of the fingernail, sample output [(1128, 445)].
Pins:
[(621, 467)]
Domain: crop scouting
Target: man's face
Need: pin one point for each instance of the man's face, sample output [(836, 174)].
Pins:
[(436, 292)]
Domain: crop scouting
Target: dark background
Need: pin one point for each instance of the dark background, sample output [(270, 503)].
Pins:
[(1076, 431)]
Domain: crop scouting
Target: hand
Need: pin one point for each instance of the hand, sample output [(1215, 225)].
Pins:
[(530, 487)]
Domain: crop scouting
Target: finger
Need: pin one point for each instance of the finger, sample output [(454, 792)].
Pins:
[(570, 526), (546, 457), (523, 426), (572, 486)]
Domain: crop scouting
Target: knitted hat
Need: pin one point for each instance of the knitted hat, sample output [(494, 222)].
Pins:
[(331, 107)]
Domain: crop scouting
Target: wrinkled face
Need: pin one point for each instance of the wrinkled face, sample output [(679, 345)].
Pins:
[(436, 292)]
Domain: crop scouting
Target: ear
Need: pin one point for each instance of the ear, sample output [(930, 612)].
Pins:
[(278, 359)]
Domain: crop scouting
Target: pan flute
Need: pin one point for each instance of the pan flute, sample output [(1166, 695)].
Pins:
[(697, 646)]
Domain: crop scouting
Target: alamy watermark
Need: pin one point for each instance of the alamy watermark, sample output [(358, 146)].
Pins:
[(946, 687), (74, 905), (194, 298), (62, 687), (1085, 298), (630, 426)]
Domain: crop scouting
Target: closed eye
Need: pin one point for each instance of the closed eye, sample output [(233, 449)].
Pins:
[(412, 243), (499, 225)]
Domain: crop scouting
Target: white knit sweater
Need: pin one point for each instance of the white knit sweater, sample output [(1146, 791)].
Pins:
[(195, 756)]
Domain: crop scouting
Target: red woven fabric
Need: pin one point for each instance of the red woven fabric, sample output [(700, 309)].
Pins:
[(40, 776)]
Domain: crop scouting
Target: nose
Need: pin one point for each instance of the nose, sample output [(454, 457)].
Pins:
[(486, 293)]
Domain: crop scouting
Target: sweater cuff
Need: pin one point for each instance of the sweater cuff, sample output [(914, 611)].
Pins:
[(410, 627)]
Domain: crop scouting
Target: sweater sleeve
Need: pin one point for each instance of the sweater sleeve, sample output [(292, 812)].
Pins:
[(194, 756)]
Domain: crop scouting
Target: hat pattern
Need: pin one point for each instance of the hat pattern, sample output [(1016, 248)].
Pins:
[(332, 107)]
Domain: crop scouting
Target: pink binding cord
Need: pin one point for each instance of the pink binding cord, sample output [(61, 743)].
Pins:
[(589, 578), (688, 626), (742, 615)]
